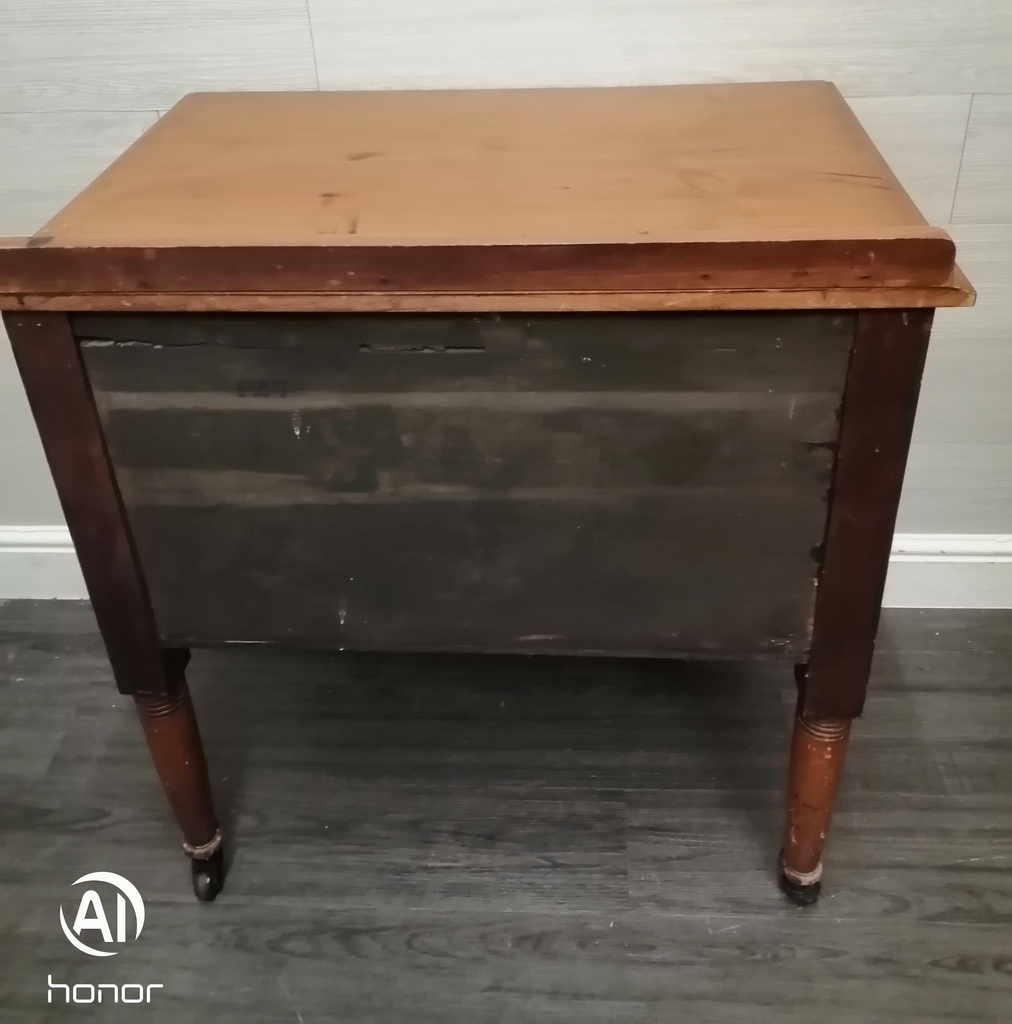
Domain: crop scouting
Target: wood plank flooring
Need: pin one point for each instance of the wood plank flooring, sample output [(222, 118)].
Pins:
[(445, 839)]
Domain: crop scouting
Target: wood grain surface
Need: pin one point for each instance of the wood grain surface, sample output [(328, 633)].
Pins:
[(955, 292), (476, 839), (726, 162), (761, 186)]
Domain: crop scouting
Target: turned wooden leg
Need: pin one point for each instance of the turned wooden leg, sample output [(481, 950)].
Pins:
[(59, 392), (818, 749), (876, 419), (170, 727)]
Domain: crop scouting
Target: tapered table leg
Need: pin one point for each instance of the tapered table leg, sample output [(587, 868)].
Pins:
[(59, 392), (876, 419), (170, 727), (818, 749)]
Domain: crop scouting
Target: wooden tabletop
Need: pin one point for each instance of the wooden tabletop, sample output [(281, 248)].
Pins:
[(723, 196)]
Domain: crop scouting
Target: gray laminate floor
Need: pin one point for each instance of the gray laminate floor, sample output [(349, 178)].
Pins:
[(446, 840)]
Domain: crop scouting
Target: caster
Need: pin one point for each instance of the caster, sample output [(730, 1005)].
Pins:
[(799, 894), (208, 876)]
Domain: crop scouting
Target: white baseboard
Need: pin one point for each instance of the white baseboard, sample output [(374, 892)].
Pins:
[(950, 570), (928, 570), (39, 562)]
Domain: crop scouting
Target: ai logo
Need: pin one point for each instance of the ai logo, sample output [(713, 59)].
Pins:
[(91, 915)]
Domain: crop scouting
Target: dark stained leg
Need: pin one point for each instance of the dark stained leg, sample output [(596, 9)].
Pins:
[(170, 727), (876, 421), (68, 422)]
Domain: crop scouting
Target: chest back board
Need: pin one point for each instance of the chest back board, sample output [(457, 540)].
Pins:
[(587, 483)]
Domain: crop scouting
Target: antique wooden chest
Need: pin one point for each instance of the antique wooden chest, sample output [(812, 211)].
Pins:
[(597, 371)]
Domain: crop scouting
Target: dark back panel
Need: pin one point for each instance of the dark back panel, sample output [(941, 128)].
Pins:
[(637, 483)]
